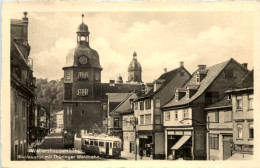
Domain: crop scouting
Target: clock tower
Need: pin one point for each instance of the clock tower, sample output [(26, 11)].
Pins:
[(82, 83)]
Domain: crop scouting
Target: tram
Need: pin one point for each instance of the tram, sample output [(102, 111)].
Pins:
[(101, 145)]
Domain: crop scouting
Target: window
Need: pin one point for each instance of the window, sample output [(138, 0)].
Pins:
[(141, 119), (104, 106), (250, 102), (96, 143), (141, 105), (188, 94), (157, 119), (185, 113), (116, 122), (125, 135), (239, 103), (167, 116), (176, 115), (182, 73), (213, 140), (136, 105), (91, 143), (148, 119), (68, 76), (132, 120), (176, 96), (97, 77), (251, 130), (148, 104), (116, 144), (101, 143), (239, 131), (82, 75), (82, 92), (213, 117), (86, 142), (198, 78), (23, 109), (157, 103), (235, 73)]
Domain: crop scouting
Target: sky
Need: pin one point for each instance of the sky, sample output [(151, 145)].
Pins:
[(160, 39)]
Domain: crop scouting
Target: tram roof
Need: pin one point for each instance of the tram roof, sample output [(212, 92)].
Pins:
[(101, 137)]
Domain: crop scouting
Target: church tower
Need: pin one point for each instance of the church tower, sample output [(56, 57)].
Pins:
[(82, 84), (134, 71)]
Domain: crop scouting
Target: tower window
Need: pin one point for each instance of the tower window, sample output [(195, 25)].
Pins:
[(82, 38), (82, 75), (97, 77), (68, 76), (82, 92)]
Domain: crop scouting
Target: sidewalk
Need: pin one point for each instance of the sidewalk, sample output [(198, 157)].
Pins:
[(131, 156)]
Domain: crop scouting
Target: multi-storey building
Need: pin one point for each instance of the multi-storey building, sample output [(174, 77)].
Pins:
[(22, 88), (148, 112), (184, 116), (243, 118), (121, 119), (59, 119), (85, 98), (220, 129), (114, 124)]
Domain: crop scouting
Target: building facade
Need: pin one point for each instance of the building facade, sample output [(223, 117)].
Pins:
[(85, 97), (184, 116), (220, 131), (59, 120), (243, 118), (22, 89), (149, 114)]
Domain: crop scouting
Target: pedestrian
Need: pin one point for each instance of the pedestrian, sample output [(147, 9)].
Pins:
[(35, 149), (141, 153)]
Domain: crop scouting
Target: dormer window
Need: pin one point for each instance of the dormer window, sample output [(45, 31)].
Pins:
[(188, 94), (176, 96), (198, 77)]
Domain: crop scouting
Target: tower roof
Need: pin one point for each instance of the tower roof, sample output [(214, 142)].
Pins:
[(134, 65), (82, 28)]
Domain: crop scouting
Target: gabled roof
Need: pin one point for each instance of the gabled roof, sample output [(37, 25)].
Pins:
[(164, 79), (125, 105), (221, 103), (117, 97), (247, 83), (213, 72), (120, 88)]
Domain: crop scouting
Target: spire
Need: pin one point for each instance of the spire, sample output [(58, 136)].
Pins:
[(134, 55), (82, 17)]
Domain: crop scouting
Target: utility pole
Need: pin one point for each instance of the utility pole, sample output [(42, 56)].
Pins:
[(135, 138), (208, 139)]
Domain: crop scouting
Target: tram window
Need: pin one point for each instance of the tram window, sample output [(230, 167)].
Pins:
[(91, 142), (86, 142), (116, 144), (96, 143), (101, 143)]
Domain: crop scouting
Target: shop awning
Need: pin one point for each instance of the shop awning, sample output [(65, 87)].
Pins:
[(181, 141)]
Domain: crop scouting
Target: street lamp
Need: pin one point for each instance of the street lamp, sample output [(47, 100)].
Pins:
[(201, 124)]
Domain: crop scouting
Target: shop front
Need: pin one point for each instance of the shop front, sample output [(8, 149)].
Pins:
[(178, 144), (146, 143)]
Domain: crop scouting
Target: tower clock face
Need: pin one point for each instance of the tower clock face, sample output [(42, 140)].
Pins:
[(83, 60)]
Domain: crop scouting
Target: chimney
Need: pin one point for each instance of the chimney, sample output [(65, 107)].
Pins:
[(112, 83), (165, 70), (181, 64), (202, 67), (245, 65)]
